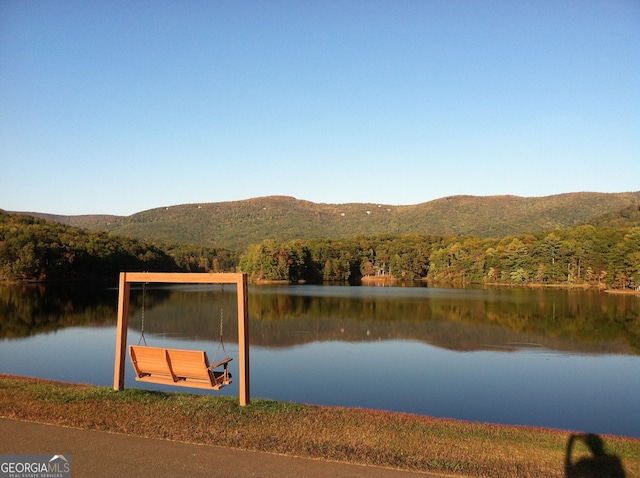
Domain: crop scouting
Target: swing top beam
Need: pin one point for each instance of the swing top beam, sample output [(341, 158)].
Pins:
[(240, 280)]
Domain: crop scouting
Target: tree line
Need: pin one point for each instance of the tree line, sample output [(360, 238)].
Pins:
[(582, 255), (33, 249), (36, 249)]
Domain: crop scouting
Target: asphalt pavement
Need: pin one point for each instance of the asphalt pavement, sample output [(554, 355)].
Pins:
[(103, 454)]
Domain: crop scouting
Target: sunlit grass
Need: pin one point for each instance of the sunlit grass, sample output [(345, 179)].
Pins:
[(352, 435)]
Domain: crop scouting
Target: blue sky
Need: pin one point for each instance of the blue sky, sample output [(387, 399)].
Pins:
[(117, 107)]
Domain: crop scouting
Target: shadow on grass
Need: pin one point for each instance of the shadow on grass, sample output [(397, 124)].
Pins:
[(598, 464)]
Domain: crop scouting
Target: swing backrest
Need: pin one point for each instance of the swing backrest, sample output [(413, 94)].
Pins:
[(189, 364), (151, 361)]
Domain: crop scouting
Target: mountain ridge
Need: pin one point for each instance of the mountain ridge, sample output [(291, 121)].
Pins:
[(236, 224)]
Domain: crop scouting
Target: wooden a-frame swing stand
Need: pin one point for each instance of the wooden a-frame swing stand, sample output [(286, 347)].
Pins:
[(165, 363)]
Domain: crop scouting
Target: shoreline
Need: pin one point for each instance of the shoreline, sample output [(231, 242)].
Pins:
[(386, 279)]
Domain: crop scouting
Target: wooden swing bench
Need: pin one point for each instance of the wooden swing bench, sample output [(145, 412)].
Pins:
[(185, 368)]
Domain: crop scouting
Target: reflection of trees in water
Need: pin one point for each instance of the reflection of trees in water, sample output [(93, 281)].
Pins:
[(552, 319), (507, 321), (597, 464), (461, 320), (30, 309)]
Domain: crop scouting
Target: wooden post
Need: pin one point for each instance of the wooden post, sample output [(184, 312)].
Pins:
[(121, 337), (240, 280), (243, 340)]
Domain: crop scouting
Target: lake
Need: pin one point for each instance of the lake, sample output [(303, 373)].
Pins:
[(567, 359)]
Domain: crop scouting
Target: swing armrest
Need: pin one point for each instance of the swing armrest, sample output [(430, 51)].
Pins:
[(222, 362)]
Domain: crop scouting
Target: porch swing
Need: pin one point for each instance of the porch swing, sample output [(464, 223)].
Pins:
[(179, 367)]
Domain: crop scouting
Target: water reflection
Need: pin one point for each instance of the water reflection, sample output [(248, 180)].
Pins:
[(564, 359), (32, 309), (284, 316), (462, 320)]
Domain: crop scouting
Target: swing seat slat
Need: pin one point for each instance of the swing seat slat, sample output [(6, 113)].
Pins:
[(185, 368)]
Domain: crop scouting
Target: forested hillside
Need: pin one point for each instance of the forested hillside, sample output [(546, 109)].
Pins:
[(36, 249), (238, 224), (626, 217), (281, 238)]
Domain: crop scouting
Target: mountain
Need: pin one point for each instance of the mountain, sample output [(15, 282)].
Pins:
[(236, 224)]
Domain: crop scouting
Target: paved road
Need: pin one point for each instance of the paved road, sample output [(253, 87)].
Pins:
[(102, 454)]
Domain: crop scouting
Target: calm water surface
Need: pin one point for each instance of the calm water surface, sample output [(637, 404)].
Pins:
[(550, 358)]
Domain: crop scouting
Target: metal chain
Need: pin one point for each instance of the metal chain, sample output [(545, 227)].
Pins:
[(221, 323), (221, 342), (222, 313), (144, 296)]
